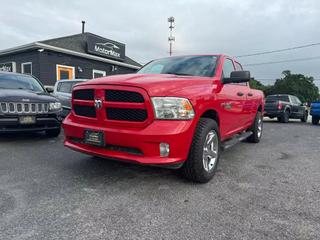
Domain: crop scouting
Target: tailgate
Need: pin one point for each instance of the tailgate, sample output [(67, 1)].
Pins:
[(271, 106)]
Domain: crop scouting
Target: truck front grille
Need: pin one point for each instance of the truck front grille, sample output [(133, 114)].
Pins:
[(85, 111), (23, 108), (123, 96), (121, 105), (126, 114), (84, 94)]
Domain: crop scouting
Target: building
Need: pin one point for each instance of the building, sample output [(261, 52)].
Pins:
[(83, 56)]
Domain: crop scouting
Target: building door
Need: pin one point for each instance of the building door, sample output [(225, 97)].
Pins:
[(65, 72)]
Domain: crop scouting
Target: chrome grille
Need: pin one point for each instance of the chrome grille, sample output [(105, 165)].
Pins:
[(22, 108)]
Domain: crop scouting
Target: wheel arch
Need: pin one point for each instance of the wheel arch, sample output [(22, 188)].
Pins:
[(287, 108), (212, 114)]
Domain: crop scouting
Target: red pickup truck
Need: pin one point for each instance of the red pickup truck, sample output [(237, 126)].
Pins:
[(177, 112)]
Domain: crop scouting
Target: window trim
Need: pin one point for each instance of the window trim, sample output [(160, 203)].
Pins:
[(237, 63), (227, 58), (104, 73), (22, 67), (65, 66)]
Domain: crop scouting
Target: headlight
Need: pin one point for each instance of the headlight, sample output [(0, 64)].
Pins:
[(54, 106), (172, 108)]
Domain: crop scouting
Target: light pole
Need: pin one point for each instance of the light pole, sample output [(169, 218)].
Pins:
[(171, 38)]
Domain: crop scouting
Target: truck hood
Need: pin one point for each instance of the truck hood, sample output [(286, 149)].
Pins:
[(159, 84), (17, 95)]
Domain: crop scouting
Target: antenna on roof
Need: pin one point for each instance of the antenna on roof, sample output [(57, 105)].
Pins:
[(83, 23)]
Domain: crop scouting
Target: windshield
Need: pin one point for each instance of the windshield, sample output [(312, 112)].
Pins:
[(274, 98), (203, 66), (12, 81)]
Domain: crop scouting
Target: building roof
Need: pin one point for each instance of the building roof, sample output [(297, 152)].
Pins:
[(73, 45)]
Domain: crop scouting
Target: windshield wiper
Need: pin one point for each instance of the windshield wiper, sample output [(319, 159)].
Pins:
[(180, 74)]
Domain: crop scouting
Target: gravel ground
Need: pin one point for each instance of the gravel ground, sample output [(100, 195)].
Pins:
[(269, 190)]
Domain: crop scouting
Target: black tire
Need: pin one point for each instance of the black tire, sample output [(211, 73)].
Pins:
[(305, 117), (284, 118), (193, 168), (315, 120), (53, 132), (256, 136)]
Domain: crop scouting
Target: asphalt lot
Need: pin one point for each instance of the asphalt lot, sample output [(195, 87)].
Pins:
[(269, 190)]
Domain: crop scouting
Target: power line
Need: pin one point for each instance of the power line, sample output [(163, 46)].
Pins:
[(274, 79), (279, 50), (283, 61)]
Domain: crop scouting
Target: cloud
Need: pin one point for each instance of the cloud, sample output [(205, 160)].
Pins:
[(202, 26)]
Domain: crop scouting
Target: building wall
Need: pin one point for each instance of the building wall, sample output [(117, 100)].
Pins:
[(30, 56), (44, 65), (83, 67)]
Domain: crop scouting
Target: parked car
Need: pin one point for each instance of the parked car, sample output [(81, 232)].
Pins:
[(63, 91), (315, 112), (284, 107), (25, 105), (177, 112)]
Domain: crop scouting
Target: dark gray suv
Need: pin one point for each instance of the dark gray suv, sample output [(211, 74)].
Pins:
[(25, 105)]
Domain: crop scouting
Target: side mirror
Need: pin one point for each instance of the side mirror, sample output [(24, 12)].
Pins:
[(238, 77), (49, 89)]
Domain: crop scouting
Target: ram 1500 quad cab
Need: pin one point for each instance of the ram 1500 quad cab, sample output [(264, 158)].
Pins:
[(177, 112)]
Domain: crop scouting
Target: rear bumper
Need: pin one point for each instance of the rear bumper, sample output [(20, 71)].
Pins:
[(139, 145), (11, 124), (273, 113)]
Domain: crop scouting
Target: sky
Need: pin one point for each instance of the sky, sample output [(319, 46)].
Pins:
[(231, 27)]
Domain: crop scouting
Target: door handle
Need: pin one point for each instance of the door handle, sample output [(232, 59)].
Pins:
[(250, 94), (240, 94)]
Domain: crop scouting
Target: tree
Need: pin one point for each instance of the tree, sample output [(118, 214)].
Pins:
[(295, 84), (255, 84)]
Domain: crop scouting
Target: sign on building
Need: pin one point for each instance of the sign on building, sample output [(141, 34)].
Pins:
[(106, 48), (8, 67)]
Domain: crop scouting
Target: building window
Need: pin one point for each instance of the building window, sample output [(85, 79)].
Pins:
[(26, 68), (98, 73), (64, 72)]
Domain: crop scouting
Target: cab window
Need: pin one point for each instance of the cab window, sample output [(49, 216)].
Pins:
[(238, 66), (65, 87), (227, 68)]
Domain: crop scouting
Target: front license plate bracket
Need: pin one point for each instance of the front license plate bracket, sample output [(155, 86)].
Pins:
[(95, 138)]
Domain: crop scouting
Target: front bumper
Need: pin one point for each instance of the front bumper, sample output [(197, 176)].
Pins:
[(10, 123), (139, 145)]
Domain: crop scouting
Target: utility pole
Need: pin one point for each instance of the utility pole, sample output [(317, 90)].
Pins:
[(171, 38)]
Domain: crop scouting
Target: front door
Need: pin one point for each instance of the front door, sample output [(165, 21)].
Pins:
[(65, 72), (232, 99)]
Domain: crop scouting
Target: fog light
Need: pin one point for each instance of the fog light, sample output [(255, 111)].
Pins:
[(164, 149)]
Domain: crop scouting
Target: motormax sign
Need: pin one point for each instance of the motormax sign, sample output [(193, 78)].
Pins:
[(105, 47), (8, 67)]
